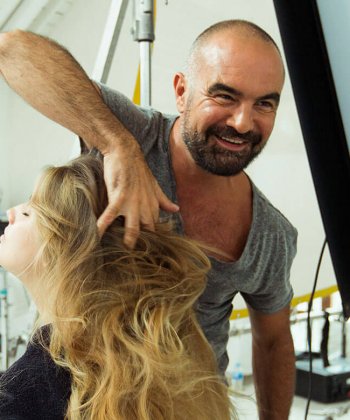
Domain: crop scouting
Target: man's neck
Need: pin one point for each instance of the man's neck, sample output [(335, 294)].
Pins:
[(215, 210)]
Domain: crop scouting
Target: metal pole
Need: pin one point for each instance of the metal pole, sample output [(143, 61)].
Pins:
[(145, 74), (109, 41), (143, 31)]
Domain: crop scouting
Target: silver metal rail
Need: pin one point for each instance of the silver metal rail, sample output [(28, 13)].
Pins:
[(109, 41), (294, 318)]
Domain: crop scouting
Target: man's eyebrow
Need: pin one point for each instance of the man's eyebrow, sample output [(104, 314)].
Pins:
[(222, 87), (225, 88)]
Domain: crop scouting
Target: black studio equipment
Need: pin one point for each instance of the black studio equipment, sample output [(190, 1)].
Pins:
[(315, 36), (330, 377), (2, 226)]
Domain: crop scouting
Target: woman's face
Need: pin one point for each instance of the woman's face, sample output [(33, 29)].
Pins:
[(20, 242)]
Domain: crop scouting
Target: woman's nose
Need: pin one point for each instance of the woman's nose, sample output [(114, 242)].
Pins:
[(11, 215)]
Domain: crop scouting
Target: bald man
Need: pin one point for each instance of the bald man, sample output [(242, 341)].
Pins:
[(192, 165)]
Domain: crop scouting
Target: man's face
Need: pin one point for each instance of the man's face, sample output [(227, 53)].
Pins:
[(20, 242), (229, 102)]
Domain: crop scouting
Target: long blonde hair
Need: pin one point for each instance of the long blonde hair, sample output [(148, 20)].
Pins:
[(122, 321)]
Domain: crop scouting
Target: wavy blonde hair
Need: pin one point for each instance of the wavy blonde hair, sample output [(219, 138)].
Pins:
[(122, 321)]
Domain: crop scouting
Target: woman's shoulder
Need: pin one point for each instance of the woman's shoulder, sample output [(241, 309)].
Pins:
[(34, 381)]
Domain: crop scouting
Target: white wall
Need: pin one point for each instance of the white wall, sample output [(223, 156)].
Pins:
[(335, 21), (282, 172), (30, 141)]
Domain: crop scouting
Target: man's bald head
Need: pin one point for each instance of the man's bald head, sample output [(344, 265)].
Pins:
[(236, 27)]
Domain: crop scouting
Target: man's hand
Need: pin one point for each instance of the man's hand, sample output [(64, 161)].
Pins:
[(133, 192)]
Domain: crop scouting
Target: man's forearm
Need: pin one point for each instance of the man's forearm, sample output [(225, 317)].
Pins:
[(274, 376), (50, 79)]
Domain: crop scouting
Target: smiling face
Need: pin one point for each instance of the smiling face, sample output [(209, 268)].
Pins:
[(20, 243), (228, 100)]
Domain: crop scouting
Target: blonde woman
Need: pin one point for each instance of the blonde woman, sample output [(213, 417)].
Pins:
[(120, 338)]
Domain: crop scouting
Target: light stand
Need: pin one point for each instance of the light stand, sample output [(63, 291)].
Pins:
[(143, 31)]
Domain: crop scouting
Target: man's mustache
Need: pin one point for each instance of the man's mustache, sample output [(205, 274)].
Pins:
[(231, 133)]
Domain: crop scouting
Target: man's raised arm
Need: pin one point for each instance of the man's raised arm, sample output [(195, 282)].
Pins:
[(51, 80)]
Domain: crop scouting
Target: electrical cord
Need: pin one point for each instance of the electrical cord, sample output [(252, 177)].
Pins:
[(324, 341), (309, 333)]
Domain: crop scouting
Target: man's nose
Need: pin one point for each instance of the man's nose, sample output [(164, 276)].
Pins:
[(241, 118)]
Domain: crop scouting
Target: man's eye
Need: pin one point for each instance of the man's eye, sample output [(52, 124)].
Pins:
[(266, 105), (225, 97)]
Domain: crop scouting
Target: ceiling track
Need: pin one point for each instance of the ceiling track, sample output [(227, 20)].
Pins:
[(9, 15), (39, 16)]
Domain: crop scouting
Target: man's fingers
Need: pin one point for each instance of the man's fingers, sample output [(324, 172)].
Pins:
[(166, 204), (106, 218), (148, 220), (130, 237), (134, 194), (132, 230)]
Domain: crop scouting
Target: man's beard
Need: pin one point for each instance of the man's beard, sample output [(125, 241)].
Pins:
[(214, 158)]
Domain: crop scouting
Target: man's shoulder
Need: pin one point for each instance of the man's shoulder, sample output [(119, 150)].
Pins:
[(113, 96), (149, 126), (269, 216)]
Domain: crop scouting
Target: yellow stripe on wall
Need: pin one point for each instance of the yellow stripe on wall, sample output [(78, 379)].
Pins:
[(137, 96)]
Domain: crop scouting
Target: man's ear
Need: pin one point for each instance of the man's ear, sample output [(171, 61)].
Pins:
[(180, 91)]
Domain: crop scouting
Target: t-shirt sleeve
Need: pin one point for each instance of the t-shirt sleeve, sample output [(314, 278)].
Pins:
[(274, 290), (141, 122)]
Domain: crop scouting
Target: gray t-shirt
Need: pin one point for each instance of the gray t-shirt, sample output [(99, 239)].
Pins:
[(261, 274)]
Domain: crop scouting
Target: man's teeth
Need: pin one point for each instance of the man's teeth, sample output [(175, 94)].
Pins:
[(234, 141)]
